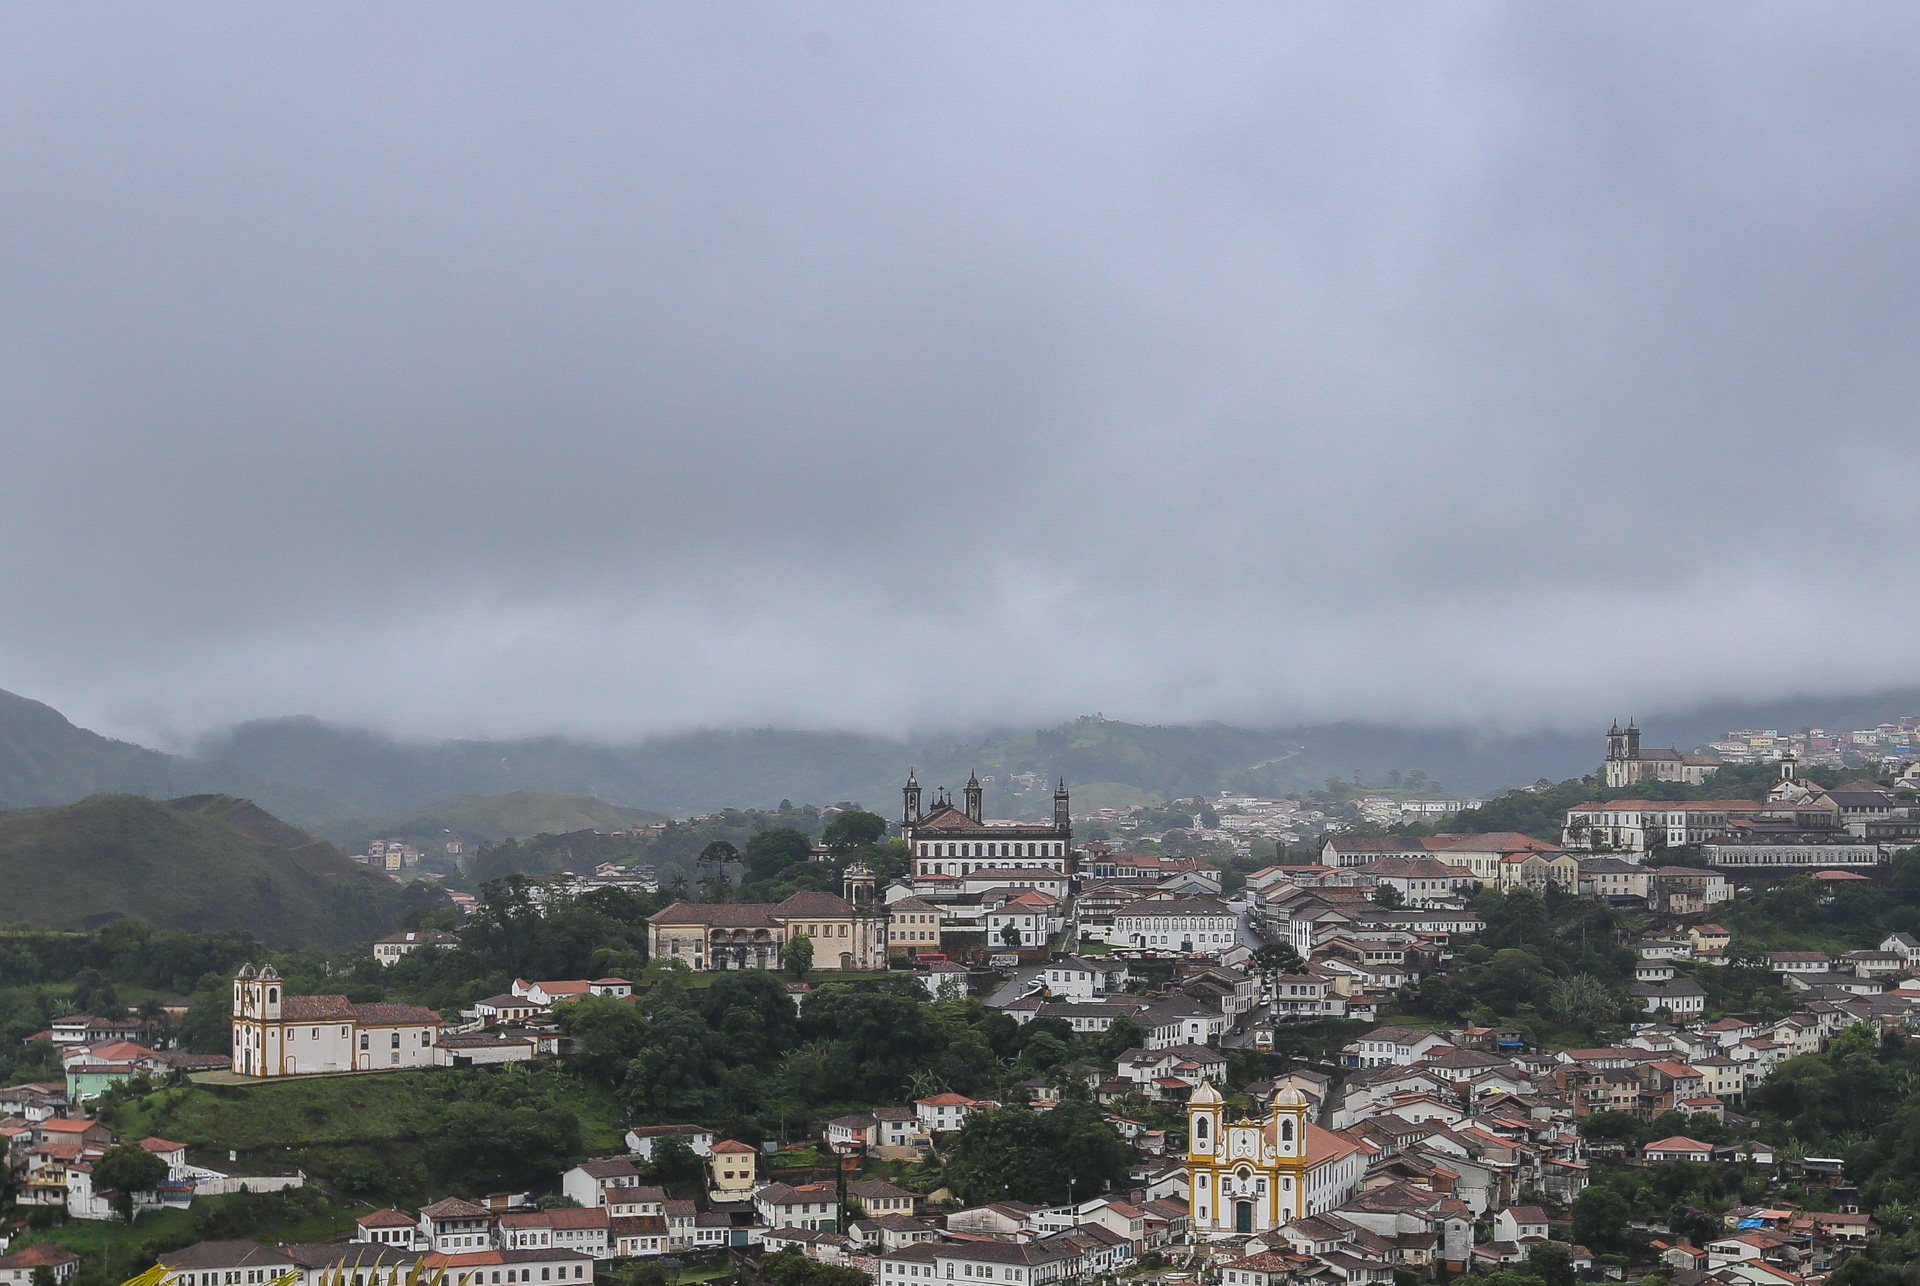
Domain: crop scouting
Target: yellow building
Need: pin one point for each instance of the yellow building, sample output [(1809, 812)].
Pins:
[(730, 1172), (913, 927), (1253, 1175), (850, 932)]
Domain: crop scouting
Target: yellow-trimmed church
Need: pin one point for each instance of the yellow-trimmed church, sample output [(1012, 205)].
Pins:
[(1253, 1175)]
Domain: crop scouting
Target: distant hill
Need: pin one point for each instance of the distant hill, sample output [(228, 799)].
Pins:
[(45, 759), (312, 772), (1118, 762), (481, 819), (201, 862)]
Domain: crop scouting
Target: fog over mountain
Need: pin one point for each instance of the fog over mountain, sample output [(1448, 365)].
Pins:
[(629, 369)]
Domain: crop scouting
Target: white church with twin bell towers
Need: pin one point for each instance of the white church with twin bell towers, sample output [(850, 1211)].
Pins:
[(953, 843), (1255, 1175)]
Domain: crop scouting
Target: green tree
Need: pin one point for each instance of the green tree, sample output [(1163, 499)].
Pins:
[(1600, 1220), (1034, 1156), (1551, 1262), (797, 955), (125, 1169), (1275, 958), (791, 1268), (607, 1034), (1617, 1127), (1858, 1271), (1388, 896), (1010, 935), (774, 850), (1122, 1034), (93, 994), (853, 829), (672, 1157), (1581, 1000), (208, 1026)]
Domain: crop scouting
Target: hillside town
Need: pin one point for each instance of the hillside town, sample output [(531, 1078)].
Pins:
[(1286, 1111)]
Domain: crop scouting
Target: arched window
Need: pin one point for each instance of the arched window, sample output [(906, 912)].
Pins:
[(273, 995), (1200, 1128), (1286, 1129)]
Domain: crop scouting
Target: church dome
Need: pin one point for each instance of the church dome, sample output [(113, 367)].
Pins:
[(1205, 1096), (1288, 1096)]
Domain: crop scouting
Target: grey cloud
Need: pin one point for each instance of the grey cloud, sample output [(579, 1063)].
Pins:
[(484, 369)]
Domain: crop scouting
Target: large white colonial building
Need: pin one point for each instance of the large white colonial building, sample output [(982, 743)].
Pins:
[(275, 1034), (949, 841)]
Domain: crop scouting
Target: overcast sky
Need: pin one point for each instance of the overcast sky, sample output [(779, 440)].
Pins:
[(618, 368)]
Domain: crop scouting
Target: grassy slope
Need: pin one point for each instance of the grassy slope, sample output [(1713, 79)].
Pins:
[(323, 1124), (204, 862), (487, 818)]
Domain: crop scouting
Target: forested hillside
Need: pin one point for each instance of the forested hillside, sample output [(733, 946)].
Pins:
[(203, 862)]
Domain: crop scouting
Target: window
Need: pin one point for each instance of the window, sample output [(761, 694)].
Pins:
[(363, 1040), (396, 1040)]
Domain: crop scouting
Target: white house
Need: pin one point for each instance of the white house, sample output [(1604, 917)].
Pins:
[(18, 1268), (641, 1139), (944, 1113), (1033, 1263), (390, 949), (1033, 916), (806, 1205), (473, 1268), (592, 1183), (1193, 926), (455, 1226), (1395, 1046), (1678, 1148), (1520, 1223)]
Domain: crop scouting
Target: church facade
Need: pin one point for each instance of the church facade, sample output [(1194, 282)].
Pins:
[(1255, 1175), (1628, 764), (275, 1034), (946, 841)]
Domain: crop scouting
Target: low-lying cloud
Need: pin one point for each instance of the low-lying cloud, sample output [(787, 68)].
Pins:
[(477, 369)]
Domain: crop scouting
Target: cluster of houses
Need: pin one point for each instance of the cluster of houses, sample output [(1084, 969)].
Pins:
[(50, 1158), (1425, 1155), (1799, 824)]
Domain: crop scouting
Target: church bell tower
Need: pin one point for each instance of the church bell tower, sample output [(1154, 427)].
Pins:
[(1061, 818), (910, 812), (974, 792)]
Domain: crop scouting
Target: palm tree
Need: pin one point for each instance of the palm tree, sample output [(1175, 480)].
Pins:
[(925, 1084)]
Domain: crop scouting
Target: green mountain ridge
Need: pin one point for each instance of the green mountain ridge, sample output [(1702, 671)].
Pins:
[(45, 759), (318, 774), (202, 862)]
